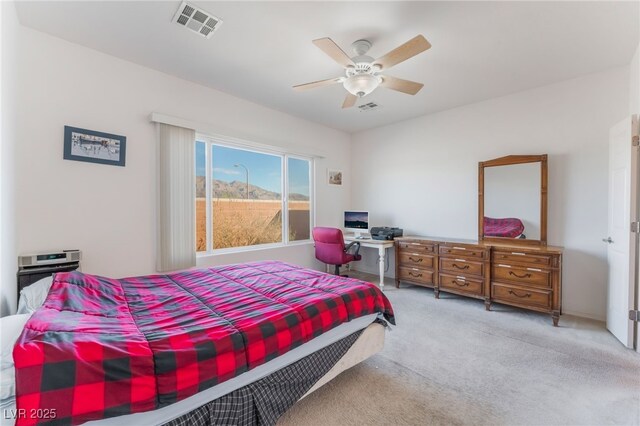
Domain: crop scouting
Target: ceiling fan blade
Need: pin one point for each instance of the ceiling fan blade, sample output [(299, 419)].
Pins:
[(320, 83), (329, 47), (404, 86), (416, 45), (349, 101)]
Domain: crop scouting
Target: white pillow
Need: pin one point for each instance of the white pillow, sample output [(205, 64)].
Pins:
[(7, 383), (33, 296), (10, 329)]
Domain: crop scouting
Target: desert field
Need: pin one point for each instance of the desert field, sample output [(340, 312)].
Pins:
[(241, 223)]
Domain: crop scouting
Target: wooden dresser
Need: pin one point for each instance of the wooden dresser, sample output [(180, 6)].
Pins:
[(416, 262), (526, 277), (463, 269)]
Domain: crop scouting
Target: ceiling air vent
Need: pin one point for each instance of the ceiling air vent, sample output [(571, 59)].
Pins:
[(368, 107), (197, 20)]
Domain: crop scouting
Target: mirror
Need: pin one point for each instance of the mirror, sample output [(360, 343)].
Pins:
[(513, 199)]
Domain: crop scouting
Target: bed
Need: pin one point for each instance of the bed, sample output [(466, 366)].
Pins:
[(509, 227), (153, 349)]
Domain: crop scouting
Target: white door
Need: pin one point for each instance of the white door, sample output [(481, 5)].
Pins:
[(620, 240)]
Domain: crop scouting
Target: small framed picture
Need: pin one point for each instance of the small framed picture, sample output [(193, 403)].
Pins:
[(334, 177), (94, 147)]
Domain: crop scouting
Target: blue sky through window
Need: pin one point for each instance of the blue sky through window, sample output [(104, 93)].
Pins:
[(264, 169), (298, 176)]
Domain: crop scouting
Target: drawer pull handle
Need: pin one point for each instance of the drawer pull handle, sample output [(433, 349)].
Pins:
[(459, 248), (415, 260), (460, 284), (519, 276), (518, 295), (455, 265), (517, 254), (415, 275)]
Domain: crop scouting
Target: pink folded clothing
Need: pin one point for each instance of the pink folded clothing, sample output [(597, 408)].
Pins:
[(509, 227)]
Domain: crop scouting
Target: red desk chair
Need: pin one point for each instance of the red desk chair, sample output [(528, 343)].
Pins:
[(331, 250)]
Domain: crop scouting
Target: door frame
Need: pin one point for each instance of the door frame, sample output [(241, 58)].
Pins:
[(634, 290)]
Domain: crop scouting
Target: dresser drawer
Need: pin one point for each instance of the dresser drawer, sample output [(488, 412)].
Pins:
[(461, 251), (416, 260), (458, 266), (416, 247), (460, 283), (517, 256), (522, 296), (416, 275), (521, 275)]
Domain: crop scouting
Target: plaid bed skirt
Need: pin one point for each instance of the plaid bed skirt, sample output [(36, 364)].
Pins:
[(264, 401)]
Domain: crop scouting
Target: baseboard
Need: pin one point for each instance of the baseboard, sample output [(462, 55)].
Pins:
[(583, 315), (374, 272)]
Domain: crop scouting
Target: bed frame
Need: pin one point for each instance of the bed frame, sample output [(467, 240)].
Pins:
[(370, 342)]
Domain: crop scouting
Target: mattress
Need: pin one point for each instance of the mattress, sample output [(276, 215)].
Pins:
[(370, 342), (102, 347)]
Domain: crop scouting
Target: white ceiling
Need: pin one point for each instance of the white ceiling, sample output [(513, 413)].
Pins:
[(480, 50)]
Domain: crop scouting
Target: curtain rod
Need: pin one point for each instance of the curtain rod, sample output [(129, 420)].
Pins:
[(245, 141)]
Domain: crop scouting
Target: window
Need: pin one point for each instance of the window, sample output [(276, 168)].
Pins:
[(241, 195), (201, 196), (299, 200)]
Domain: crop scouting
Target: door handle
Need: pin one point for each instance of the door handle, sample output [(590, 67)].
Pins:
[(607, 240)]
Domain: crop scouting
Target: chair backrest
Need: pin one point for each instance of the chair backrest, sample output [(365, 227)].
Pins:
[(329, 245)]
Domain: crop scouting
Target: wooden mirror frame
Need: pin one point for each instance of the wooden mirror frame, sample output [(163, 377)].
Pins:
[(507, 161)]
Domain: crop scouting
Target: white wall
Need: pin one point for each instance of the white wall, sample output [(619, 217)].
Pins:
[(429, 185), (109, 212), (8, 78), (430, 164)]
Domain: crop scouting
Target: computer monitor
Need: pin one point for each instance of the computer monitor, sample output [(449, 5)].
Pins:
[(356, 222)]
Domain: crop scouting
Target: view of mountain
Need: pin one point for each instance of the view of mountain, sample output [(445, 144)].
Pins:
[(238, 190)]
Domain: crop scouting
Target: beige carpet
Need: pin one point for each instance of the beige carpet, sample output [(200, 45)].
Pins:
[(449, 362)]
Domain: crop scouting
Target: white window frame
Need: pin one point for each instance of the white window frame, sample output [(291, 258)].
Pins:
[(210, 141)]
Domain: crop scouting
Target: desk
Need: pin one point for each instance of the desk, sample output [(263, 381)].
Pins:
[(381, 245)]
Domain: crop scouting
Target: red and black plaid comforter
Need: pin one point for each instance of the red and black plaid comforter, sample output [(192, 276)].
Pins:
[(103, 347)]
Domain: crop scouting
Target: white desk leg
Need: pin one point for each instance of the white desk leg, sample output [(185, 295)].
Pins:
[(381, 254)]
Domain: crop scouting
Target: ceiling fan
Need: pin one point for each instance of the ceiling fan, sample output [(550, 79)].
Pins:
[(362, 71)]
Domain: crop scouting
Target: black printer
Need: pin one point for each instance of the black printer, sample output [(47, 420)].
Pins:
[(385, 233)]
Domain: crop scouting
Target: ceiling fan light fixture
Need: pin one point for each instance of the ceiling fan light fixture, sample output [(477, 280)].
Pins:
[(361, 71), (362, 84)]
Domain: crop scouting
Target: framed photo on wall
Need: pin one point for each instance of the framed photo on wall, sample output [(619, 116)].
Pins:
[(94, 147), (334, 177)]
